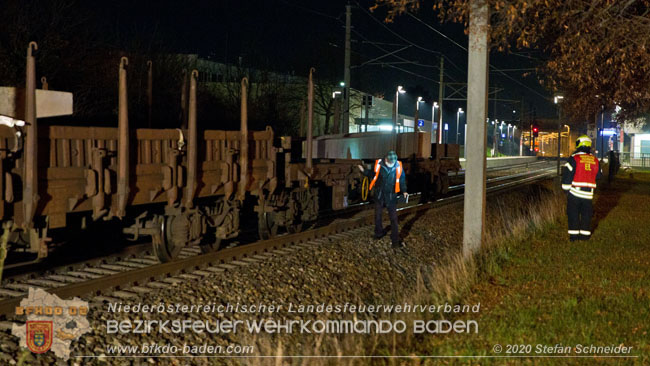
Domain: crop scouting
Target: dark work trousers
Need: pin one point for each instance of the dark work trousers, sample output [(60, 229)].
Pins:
[(579, 212), (379, 227)]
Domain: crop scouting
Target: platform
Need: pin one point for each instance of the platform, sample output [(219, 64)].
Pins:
[(510, 160)]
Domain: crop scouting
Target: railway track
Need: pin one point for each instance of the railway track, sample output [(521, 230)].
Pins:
[(124, 277)]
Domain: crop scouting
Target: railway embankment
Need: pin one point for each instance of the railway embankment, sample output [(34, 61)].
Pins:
[(348, 272)]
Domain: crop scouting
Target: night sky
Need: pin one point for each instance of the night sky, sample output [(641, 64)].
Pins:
[(293, 35)]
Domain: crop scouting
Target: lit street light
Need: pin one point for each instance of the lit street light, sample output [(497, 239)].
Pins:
[(417, 114), (460, 110), (433, 118), (501, 130), (399, 91), (568, 138), (558, 101)]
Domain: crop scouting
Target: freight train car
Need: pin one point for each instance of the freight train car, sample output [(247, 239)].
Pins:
[(176, 186)]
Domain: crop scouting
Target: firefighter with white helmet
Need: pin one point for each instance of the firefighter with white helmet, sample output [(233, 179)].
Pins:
[(579, 182), (388, 182)]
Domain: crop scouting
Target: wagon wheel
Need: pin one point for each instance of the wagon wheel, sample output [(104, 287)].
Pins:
[(267, 226), (164, 246)]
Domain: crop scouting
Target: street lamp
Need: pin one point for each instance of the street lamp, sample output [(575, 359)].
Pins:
[(433, 113), (460, 110), (417, 114), (399, 91), (558, 101), (568, 137)]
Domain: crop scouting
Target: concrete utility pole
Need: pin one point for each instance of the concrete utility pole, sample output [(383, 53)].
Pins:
[(441, 90), (477, 99), (346, 72)]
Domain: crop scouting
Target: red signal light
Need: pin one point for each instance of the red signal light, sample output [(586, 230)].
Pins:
[(537, 149)]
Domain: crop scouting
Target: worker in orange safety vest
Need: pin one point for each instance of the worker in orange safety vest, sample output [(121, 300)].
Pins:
[(388, 183)]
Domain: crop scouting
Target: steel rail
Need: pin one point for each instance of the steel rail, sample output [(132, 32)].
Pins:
[(158, 271), (505, 167), (505, 177)]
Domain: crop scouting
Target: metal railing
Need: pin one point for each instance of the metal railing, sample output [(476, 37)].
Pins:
[(641, 160)]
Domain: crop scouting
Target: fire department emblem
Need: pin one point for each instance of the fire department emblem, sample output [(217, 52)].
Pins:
[(39, 336)]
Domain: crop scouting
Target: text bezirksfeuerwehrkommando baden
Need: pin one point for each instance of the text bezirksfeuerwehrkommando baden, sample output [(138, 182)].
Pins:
[(322, 308)]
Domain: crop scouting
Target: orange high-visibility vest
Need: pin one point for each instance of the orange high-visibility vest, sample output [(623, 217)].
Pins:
[(378, 168)]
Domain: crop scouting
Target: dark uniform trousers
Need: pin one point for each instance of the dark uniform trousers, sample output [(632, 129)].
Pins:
[(379, 227), (579, 213)]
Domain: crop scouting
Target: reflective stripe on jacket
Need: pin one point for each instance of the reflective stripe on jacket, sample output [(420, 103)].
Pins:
[(377, 169), (580, 174)]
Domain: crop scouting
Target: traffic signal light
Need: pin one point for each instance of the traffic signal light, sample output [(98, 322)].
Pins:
[(535, 130)]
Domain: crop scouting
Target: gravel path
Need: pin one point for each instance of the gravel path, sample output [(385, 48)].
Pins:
[(357, 270)]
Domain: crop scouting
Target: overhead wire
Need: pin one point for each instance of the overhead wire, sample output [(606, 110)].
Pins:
[(490, 65), (399, 57), (376, 44), (407, 40)]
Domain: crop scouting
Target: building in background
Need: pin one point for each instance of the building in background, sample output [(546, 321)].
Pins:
[(368, 113)]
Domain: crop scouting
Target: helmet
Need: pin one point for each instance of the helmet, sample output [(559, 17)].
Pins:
[(583, 140)]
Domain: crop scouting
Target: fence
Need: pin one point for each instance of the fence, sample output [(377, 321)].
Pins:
[(641, 160)]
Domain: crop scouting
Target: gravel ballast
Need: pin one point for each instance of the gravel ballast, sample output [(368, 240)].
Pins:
[(354, 270)]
